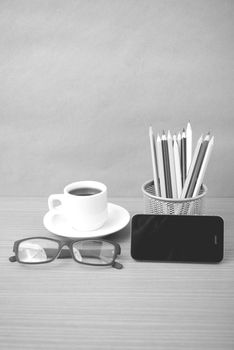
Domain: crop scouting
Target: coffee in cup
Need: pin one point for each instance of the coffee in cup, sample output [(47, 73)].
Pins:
[(85, 191), (83, 203)]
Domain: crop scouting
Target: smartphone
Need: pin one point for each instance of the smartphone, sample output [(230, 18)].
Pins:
[(179, 238)]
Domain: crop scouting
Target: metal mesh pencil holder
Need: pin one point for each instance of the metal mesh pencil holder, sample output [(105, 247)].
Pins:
[(169, 206)]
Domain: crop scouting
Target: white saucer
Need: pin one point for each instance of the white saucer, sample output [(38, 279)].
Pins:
[(118, 218)]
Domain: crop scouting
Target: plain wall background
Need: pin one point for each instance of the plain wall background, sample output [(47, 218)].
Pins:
[(81, 81)]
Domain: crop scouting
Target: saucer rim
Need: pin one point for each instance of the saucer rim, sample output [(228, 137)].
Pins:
[(91, 233)]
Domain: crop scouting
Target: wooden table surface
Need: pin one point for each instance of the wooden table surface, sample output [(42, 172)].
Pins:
[(64, 305)]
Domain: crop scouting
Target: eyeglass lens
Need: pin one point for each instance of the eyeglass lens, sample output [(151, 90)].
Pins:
[(37, 250), (94, 252)]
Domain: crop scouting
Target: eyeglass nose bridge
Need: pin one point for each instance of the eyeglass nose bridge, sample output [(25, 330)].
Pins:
[(68, 253), (65, 253)]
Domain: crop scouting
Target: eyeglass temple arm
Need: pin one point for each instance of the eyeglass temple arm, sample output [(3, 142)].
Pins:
[(117, 265), (12, 258), (118, 249)]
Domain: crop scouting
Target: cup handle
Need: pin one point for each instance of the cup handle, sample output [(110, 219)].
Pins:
[(52, 198)]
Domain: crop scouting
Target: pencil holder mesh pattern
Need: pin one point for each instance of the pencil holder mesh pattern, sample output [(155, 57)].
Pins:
[(169, 206)]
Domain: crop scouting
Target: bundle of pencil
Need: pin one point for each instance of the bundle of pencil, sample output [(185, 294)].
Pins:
[(178, 172)]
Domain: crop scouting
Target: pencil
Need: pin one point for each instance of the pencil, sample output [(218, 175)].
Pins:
[(154, 161), (179, 142), (166, 166), (188, 146), (203, 167), (183, 157), (191, 169), (197, 167), (177, 166), (172, 166), (160, 167)]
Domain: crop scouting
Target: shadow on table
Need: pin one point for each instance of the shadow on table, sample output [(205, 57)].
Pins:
[(121, 236)]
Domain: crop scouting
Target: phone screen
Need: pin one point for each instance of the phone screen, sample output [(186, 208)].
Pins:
[(177, 238)]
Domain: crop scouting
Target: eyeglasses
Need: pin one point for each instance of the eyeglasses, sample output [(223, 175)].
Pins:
[(41, 250)]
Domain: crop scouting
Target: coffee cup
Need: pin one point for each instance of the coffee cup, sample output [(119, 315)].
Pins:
[(84, 204)]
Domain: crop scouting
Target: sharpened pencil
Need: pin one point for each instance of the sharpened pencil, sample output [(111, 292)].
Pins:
[(172, 166), (203, 167), (166, 166), (160, 167), (197, 167), (191, 169), (154, 161), (177, 166), (183, 157), (188, 147)]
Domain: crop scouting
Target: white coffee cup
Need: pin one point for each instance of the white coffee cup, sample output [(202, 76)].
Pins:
[(84, 204)]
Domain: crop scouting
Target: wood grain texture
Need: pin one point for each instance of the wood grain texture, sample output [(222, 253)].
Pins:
[(63, 305)]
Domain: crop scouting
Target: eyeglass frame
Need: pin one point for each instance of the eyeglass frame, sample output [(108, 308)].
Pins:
[(66, 243)]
